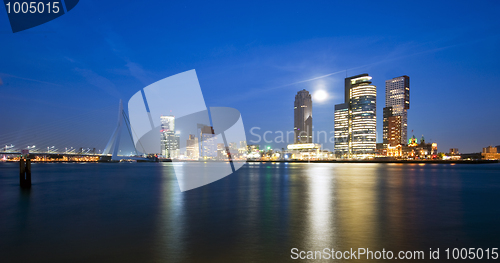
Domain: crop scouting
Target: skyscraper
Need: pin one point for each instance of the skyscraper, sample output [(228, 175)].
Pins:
[(356, 119), (303, 117), (169, 141), (397, 104)]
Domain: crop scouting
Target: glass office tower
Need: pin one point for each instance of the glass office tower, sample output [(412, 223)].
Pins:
[(356, 119)]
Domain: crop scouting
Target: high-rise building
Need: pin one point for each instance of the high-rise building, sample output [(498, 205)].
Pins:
[(342, 130), (233, 147), (221, 147), (356, 119), (303, 117), (243, 145), (170, 145), (392, 128), (208, 142), (192, 149), (397, 104)]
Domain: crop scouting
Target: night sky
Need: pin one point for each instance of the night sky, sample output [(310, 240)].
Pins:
[(60, 82)]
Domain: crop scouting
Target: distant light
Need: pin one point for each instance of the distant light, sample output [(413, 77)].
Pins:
[(320, 95)]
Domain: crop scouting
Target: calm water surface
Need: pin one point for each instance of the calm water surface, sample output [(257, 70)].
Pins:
[(136, 212)]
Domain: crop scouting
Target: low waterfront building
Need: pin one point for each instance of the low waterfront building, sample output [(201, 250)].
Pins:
[(471, 156), (223, 152), (422, 150), (394, 151), (307, 151), (454, 154), (490, 153), (253, 148)]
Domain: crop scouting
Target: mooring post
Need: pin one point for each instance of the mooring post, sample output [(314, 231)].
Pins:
[(28, 172), (22, 172), (25, 173)]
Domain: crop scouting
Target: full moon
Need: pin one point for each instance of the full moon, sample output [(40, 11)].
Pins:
[(320, 95)]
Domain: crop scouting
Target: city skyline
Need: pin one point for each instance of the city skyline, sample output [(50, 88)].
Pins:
[(69, 89), (249, 131), (394, 117)]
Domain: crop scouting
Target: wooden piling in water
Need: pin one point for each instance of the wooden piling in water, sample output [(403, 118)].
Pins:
[(25, 173)]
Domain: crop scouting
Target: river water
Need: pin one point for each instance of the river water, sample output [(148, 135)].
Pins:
[(135, 212)]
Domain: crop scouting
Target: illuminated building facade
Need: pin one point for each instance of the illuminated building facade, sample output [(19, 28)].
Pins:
[(253, 148), (397, 104), (242, 150), (233, 150), (490, 153), (303, 117), (169, 141), (422, 150), (392, 128), (306, 151), (253, 151), (243, 145), (356, 119), (341, 125), (453, 154), (192, 149), (222, 151)]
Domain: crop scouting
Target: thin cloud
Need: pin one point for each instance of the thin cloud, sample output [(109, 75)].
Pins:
[(99, 81), (139, 73), (34, 80), (118, 47)]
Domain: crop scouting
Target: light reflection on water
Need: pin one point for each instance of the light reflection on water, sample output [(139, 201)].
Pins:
[(132, 212), (320, 215), (171, 210), (357, 204)]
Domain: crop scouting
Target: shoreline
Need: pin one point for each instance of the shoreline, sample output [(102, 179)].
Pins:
[(303, 161), (384, 161)]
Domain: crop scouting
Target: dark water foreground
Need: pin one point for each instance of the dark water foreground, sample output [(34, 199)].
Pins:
[(136, 212)]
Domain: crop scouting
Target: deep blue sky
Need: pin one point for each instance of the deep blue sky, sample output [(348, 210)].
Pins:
[(61, 81)]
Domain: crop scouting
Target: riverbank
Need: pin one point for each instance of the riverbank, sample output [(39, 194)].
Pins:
[(382, 161)]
